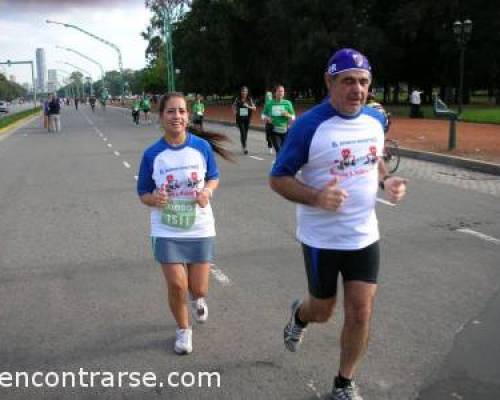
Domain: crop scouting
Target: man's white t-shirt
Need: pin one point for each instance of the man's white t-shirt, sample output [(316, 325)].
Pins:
[(322, 145)]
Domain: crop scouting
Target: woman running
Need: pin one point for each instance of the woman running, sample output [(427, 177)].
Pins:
[(177, 178), (243, 106)]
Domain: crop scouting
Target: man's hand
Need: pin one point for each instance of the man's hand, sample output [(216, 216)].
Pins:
[(332, 196), (395, 189)]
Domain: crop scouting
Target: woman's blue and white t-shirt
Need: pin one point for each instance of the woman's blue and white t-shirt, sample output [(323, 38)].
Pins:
[(322, 145), (181, 171)]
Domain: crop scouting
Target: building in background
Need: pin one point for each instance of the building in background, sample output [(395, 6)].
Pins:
[(52, 84), (41, 70)]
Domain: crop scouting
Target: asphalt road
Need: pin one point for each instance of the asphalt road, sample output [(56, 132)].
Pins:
[(79, 288)]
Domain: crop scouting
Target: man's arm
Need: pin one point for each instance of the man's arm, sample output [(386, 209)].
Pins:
[(331, 197), (292, 189)]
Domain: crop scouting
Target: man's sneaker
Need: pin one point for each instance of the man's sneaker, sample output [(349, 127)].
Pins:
[(293, 333), (183, 341), (199, 310), (350, 392)]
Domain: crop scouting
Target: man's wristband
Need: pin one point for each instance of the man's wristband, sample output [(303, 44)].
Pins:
[(381, 184)]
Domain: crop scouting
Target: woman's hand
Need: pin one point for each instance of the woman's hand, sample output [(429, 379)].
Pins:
[(160, 197), (203, 197)]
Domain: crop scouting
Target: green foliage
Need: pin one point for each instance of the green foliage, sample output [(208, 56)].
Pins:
[(10, 90), (221, 45), (10, 119)]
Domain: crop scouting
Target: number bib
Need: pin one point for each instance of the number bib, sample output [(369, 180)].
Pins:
[(179, 214), (277, 110), (243, 112)]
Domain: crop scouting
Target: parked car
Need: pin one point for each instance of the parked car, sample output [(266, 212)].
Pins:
[(4, 107)]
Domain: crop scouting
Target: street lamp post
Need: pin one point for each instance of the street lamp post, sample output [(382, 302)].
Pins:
[(87, 58), (81, 70), (462, 31), (171, 11), (112, 45)]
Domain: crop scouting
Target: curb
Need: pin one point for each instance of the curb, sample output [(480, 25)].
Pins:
[(461, 162), (5, 132), (474, 165)]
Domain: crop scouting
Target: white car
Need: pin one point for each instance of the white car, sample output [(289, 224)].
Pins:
[(3, 107)]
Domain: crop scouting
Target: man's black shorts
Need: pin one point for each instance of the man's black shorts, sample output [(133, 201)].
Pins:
[(323, 267)]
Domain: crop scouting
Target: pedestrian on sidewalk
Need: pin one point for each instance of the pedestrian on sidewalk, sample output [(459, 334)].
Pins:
[(278, 113), (337, 147), (243, 106), (415, 102), (177, 178), (54, 108), (46, 114)]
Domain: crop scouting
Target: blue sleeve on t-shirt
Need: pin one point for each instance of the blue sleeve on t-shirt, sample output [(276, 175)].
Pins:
[(145, 182), (204, 148), (378, 115)]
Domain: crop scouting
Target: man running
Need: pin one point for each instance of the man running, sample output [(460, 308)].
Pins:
[(136, 110), (277, 114), (337, 146), (146, 108)]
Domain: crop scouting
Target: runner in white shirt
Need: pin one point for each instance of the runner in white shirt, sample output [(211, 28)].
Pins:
[(177, 178), (331, 165)]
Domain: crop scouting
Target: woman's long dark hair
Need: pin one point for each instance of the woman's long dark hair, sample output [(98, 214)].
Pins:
[(213, 138)]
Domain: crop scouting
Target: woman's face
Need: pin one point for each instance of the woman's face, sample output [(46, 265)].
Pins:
[(175, 116), (244, 93)]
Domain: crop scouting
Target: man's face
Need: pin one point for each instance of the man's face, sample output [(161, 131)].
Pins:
[(279, 93), (348, 90)]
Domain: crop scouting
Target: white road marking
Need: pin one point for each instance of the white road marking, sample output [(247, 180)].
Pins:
[(312, 386), (127, 165), (88, 119), (110, 145), (479, 235), (116, 153), (105, 139), (257, 158), (387, 203), (222, 278)]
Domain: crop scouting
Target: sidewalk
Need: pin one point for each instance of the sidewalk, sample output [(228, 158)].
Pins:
[(478, 145)]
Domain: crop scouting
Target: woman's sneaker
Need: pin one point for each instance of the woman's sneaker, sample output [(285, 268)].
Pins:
[(183, 341), (293, 333), (199, 310)]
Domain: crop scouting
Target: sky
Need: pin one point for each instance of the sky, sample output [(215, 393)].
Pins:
[(23, 30)]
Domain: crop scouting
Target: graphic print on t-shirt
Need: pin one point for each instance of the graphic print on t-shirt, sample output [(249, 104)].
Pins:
[(354, 157), (181, 184)]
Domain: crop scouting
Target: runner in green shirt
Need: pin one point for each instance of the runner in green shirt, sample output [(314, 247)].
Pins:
[(198, 110), (146, 108), (136, 110), (269, 127), (278, 112)]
